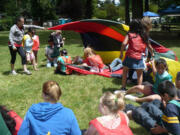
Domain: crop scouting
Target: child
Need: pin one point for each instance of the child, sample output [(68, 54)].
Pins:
[(49, 117), (148, 115), (35, 46), (58, 39), (171, 117), (11, 119), (160, 71), (138, 41), (93, 60), (51, 53), (113, 120), (178, 83), (62, 61), (115, 65), (28, 43)]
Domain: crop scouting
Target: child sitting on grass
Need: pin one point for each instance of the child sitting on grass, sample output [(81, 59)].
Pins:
[(155, 116), (93, 60), (113, 120), (49, 117), (51, 53), (171, 116), (160, 71), (11, 120), (62, 61)]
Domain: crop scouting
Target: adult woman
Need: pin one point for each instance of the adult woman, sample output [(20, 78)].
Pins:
[(113, 121), (49, 117), (15, 43)]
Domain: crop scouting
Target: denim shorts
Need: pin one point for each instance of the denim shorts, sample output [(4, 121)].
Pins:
[(132, 63)]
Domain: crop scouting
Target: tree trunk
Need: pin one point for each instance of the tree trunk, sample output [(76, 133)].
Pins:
[(137, 9), (146, 5), (127, 18)]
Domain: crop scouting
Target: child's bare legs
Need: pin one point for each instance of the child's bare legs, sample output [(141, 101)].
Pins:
[(124, 77), (34, 64), (145, 89), (35, 54), (148, 98), (139, 76)]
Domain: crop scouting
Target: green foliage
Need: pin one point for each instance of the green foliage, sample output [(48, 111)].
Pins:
[(99, 13), (107, 10), (6, 23), (153, 8), (71, 8), (43, 10)]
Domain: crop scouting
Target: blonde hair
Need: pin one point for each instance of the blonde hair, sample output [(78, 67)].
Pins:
[(114, 102), (88, 52), (147, 23), (59, 31), (51, 90)]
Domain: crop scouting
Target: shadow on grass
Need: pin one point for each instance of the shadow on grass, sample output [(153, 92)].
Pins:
[(42, 65), (140, 131), (117, 81), (6, 73), (19, 71), (109, 89)]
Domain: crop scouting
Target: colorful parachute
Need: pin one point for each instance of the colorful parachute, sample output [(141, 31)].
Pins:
[(106, 37)]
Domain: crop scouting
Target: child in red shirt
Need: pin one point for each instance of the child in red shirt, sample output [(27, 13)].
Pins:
[(137, 39)]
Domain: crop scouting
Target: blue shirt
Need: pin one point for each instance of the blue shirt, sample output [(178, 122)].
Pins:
[(49, 119), (28, 44)]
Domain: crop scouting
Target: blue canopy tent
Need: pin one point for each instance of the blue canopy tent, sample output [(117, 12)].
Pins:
[(171, 10), (150, 14)]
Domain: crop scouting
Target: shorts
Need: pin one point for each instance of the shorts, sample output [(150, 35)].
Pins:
[(29, 56), (132, 63)]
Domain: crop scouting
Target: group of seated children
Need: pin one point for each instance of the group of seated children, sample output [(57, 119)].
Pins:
[(51, 117), (160, 71), (160, 116)]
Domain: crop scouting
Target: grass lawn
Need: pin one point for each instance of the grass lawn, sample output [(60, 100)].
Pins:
[(80, 93)]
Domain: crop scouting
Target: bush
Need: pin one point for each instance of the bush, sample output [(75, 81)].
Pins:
[(5, 24)]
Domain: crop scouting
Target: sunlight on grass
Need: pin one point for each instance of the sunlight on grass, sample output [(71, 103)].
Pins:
[(80, 93)]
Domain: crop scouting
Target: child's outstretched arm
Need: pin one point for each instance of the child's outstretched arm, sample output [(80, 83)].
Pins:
[(153, 67), (124, 43), (150, 49)]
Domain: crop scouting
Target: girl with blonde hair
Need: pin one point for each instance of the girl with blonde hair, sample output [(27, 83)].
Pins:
[(93, 60), (113, 120)]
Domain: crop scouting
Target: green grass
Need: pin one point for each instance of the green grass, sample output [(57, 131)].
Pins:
[(80, 93)]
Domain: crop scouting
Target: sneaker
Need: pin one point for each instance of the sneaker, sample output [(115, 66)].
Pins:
[(13, 72), (27, 72), (130, 97), (119, 91), (122, 90)]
